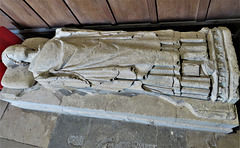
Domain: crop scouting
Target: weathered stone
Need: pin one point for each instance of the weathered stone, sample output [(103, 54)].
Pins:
[(10, 93), (194, 56), (189, 35), (78, 131), (18, 78), (223, 78), (36, 43), (171, 137), (233, 66), (158, 89), (4, 143), (73, 131), (167, 71), (198, 96), (199, 115), (191, 90), (126, 76), (158, 80), (196, 82), (174, 47), (165, 33), (36, 127), (224, 141), (39, 96), (193, 47), (189, 68), (3, 107), (193, 37), (115, 60)]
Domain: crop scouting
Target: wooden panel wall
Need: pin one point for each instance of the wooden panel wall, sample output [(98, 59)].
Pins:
[(133, 11), (58, 13), (91, 11), (223, 9), (7, 22), (54, 12), (202, 10), (22, 14), (180, 10)]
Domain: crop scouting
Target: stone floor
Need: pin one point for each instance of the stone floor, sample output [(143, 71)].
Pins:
[(28, 129), (5, 143)]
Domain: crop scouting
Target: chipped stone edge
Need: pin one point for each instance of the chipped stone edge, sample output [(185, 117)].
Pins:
[(190, 107), (233, 96), (182, 102), (143, 119)]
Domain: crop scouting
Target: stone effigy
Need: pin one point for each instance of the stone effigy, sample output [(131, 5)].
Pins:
[(201, 65), (164, 78)]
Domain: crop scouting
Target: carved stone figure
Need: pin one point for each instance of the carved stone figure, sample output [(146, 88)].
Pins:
[(201, 65)]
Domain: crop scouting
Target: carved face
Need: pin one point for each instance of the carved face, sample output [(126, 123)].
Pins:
[(24, 53), (18, 55)]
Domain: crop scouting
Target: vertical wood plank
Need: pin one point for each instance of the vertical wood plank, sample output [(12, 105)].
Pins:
[(177, 10), (91, 11), (134, 11), (224, 9), (202, 10), (54, 12), (152, 10), (6, 21), (22, 14)]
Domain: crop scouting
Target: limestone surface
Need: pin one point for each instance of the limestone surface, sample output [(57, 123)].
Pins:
[(18, 77), (28, 127), (174, 111), (200, 65)]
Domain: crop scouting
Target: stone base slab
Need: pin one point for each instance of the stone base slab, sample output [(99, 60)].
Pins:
[(155, 110)]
